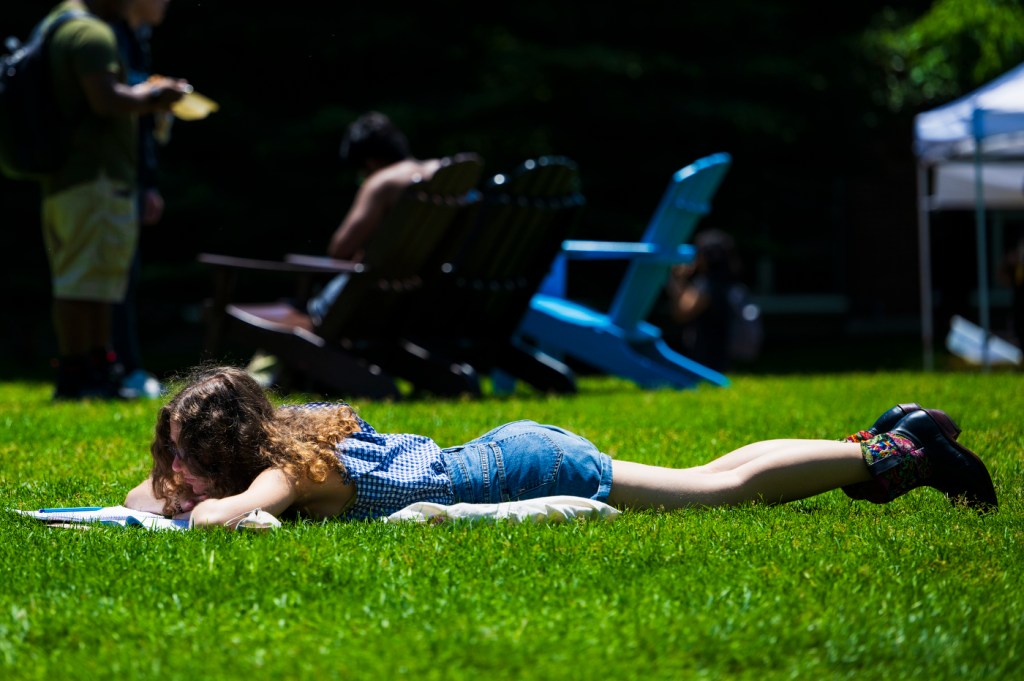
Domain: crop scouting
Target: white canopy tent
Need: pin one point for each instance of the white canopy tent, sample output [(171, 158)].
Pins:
[(966, 148)]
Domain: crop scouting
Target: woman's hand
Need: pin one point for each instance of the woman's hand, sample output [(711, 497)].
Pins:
[(184, 507)]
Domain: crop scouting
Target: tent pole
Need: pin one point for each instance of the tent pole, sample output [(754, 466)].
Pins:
[(981, 230), (925, 260)]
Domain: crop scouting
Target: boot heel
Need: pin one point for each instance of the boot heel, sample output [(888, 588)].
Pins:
[(945, 423), (889, 419)]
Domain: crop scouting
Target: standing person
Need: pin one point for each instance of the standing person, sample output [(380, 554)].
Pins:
[(222, 450), (90, 224), (133, 40), (379, 151)]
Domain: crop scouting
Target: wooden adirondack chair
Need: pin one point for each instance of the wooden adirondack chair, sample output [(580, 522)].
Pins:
[(357, 349), (470, 314), (620, 342)]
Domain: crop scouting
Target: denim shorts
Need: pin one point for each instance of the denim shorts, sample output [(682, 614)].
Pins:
[(526, 460)]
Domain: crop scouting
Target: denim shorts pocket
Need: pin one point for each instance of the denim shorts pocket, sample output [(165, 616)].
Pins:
[(529, 464)]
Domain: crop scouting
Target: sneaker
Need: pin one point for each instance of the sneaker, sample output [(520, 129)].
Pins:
[(140, 383)]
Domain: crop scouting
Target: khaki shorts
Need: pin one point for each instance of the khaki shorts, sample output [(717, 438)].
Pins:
[(90, 232)]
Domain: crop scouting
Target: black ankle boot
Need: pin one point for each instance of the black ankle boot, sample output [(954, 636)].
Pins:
[(870, 490), (957, 472), (919, 451)]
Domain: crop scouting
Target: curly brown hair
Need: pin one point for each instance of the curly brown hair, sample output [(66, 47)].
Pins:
[(230, 432)]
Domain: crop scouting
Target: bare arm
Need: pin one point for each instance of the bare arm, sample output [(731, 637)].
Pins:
[(691, 304), (272, 490), (142, 498), (373, 201), (687, 301), (108, 97)]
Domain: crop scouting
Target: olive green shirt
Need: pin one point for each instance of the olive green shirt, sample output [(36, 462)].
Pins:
[(100, 144)]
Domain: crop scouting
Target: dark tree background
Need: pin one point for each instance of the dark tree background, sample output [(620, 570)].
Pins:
[(820, 195)]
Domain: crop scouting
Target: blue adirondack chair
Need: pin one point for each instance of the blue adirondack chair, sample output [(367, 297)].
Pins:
[(620, 342)]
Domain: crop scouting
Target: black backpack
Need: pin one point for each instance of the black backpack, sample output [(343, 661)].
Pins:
[(34, 138)]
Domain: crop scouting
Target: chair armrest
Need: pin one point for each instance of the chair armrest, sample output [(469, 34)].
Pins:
[(324, 263), (288, 266), (623, 250), (228, 270), (554, 284)]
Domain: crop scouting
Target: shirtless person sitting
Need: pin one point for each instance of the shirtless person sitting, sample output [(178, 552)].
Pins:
[(381, 152), (375, 146)]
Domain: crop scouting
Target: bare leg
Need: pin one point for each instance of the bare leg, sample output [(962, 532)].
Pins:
[(742, 456), (775, 471)]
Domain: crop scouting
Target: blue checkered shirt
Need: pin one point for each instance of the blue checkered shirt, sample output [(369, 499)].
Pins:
[(390, 471)]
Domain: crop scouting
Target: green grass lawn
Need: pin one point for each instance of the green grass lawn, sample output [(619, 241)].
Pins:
[(824, 588)]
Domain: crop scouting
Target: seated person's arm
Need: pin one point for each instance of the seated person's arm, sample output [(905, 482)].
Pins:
[(373, 201), (690, 304), (272, 491), (687, 301)]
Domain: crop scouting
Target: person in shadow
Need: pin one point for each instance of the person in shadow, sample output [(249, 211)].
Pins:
[(1011, 274), (700, 303)]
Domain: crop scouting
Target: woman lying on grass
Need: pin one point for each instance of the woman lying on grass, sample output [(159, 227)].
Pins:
[(221, 450)]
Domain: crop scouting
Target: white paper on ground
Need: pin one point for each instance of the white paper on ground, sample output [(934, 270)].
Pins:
[(257, 519), (108, 515)]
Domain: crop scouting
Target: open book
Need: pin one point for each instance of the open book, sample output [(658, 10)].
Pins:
[(256, 519), (106, 515)]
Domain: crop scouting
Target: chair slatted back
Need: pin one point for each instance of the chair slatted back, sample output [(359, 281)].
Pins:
[(371, 304), (523, 218)]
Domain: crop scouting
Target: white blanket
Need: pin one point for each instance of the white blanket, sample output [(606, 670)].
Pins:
[(543, 509)]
